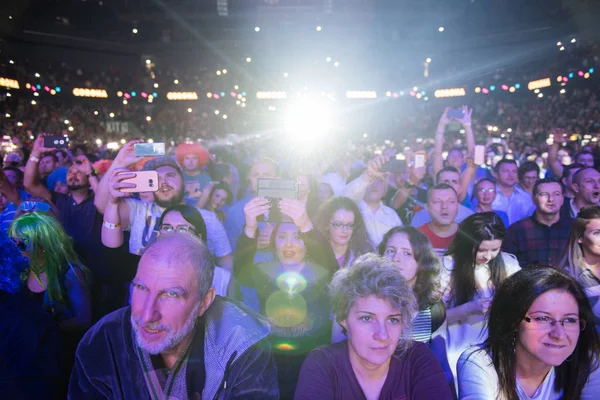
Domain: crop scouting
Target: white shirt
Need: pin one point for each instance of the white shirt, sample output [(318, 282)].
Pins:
[(518, 206), (423, 217), (378, 223), (478, 380), (461, 335), (220, 281), (143, 217)]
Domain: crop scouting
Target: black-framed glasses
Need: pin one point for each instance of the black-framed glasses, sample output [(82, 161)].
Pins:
[(178, 228), (339, 226), (572, 324)]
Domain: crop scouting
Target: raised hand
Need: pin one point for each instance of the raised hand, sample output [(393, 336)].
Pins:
[(126, 156), (296, 210), (252, 210), (374, 167), (38, 144), (466, 119), (115, 183)]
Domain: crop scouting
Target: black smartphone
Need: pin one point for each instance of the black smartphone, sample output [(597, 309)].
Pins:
[(394, 166), (456, 113), (275, 190), (56, 142)]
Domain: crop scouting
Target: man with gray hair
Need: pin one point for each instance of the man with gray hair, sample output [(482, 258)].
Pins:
[(177, 340)]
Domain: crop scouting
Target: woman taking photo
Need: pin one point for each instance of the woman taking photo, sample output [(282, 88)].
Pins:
[(471, 271), (375, 305), (292, 289), (539, 343), (582, 256), (340, 221)]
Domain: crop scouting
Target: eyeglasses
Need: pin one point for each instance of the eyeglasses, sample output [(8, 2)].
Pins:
[(179, 228), (571, 324), (31, 206), (339, 226), (21, 245), (483, 190)]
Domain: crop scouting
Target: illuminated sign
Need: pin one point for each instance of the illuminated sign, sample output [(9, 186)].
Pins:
[(9, 83), (454, 92), (84, 92), (271, 95), (540, 83), (182, 96), (361, 94)]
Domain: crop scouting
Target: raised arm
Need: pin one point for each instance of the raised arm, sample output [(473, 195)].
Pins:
[(438, 159), (555, 166), (31, 180), (356, 189), (124, 159)]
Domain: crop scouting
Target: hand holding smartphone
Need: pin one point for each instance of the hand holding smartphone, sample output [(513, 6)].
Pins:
[(56, 142), (479, 157), (145, 181)]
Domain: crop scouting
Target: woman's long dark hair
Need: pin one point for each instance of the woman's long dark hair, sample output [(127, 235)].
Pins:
[(359, 243), (511, 303), (471, 232), (427, 285), (191, 215)]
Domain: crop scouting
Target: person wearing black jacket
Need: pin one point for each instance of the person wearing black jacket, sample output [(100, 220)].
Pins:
[(292, 290)]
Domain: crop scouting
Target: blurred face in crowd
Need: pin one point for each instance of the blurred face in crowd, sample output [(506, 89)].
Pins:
[(549, 198), (289, 246), (591, 238), (450, 178), (165, 302), (587, 160), (569, 181), (173, 221), (529, 179), (587, 187), (77, 180), (488, 250), (61, 187), (374, 329), (325, 192), (376, 191), (170, 187), (442, 206), (47, 165), (541, 343), (563, 157), (62, 160), (261, 169), (507, 174), (485, 192), (218, 198), (341, 227), (455, 159), (190, 163), (13, 178), (400, 252)]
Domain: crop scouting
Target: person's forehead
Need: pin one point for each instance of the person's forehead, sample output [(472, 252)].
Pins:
[(485, 184), (507, 166), (166, 169), (190, 156), (163, 270), (443, 193), (531, 173), (286, 227), (590, 173), (262, 166), (549, 187), (449, 175)]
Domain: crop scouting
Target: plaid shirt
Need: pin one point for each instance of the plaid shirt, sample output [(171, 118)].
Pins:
[(535, 243)]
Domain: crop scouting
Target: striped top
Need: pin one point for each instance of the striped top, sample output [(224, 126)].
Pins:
[(422, 326)]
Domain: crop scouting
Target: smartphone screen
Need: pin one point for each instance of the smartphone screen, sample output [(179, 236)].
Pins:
[(149, 149), (479, 154), (419, 160), (56, 142), (394, 166), (145, 181), (275, 190)]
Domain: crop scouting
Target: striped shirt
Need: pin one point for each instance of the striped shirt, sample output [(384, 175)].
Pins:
[(422, 326)]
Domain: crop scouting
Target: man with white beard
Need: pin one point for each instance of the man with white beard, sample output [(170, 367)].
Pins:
[(177, 340)]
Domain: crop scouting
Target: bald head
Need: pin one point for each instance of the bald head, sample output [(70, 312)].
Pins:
[(179, 249)]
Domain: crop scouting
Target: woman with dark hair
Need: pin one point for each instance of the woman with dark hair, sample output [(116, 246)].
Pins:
[(341, 222), (178, 218), (472, 269), (219, 195), (582, 256), (539, 343), (292, 289), (485, 193), (412, 253)]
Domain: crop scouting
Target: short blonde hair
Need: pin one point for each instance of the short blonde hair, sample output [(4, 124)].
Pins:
[(372, 275)]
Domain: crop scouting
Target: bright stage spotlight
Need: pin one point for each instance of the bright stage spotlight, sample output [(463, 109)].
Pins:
[(309, 121)]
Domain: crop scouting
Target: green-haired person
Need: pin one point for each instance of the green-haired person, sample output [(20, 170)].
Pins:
[(55, 277)]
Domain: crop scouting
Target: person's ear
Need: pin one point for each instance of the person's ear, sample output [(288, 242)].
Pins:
[(206, 301), (576, 187)]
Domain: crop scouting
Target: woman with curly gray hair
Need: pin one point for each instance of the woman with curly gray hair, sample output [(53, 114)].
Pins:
[(375, 306)]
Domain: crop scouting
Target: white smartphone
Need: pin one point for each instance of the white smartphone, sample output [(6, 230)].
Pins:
[(479, 154), (419, 160)]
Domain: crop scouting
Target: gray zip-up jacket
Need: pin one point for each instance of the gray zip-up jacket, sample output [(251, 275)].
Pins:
[(237, 358)]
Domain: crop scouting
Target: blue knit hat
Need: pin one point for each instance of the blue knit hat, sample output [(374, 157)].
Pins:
[(58, 175)]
